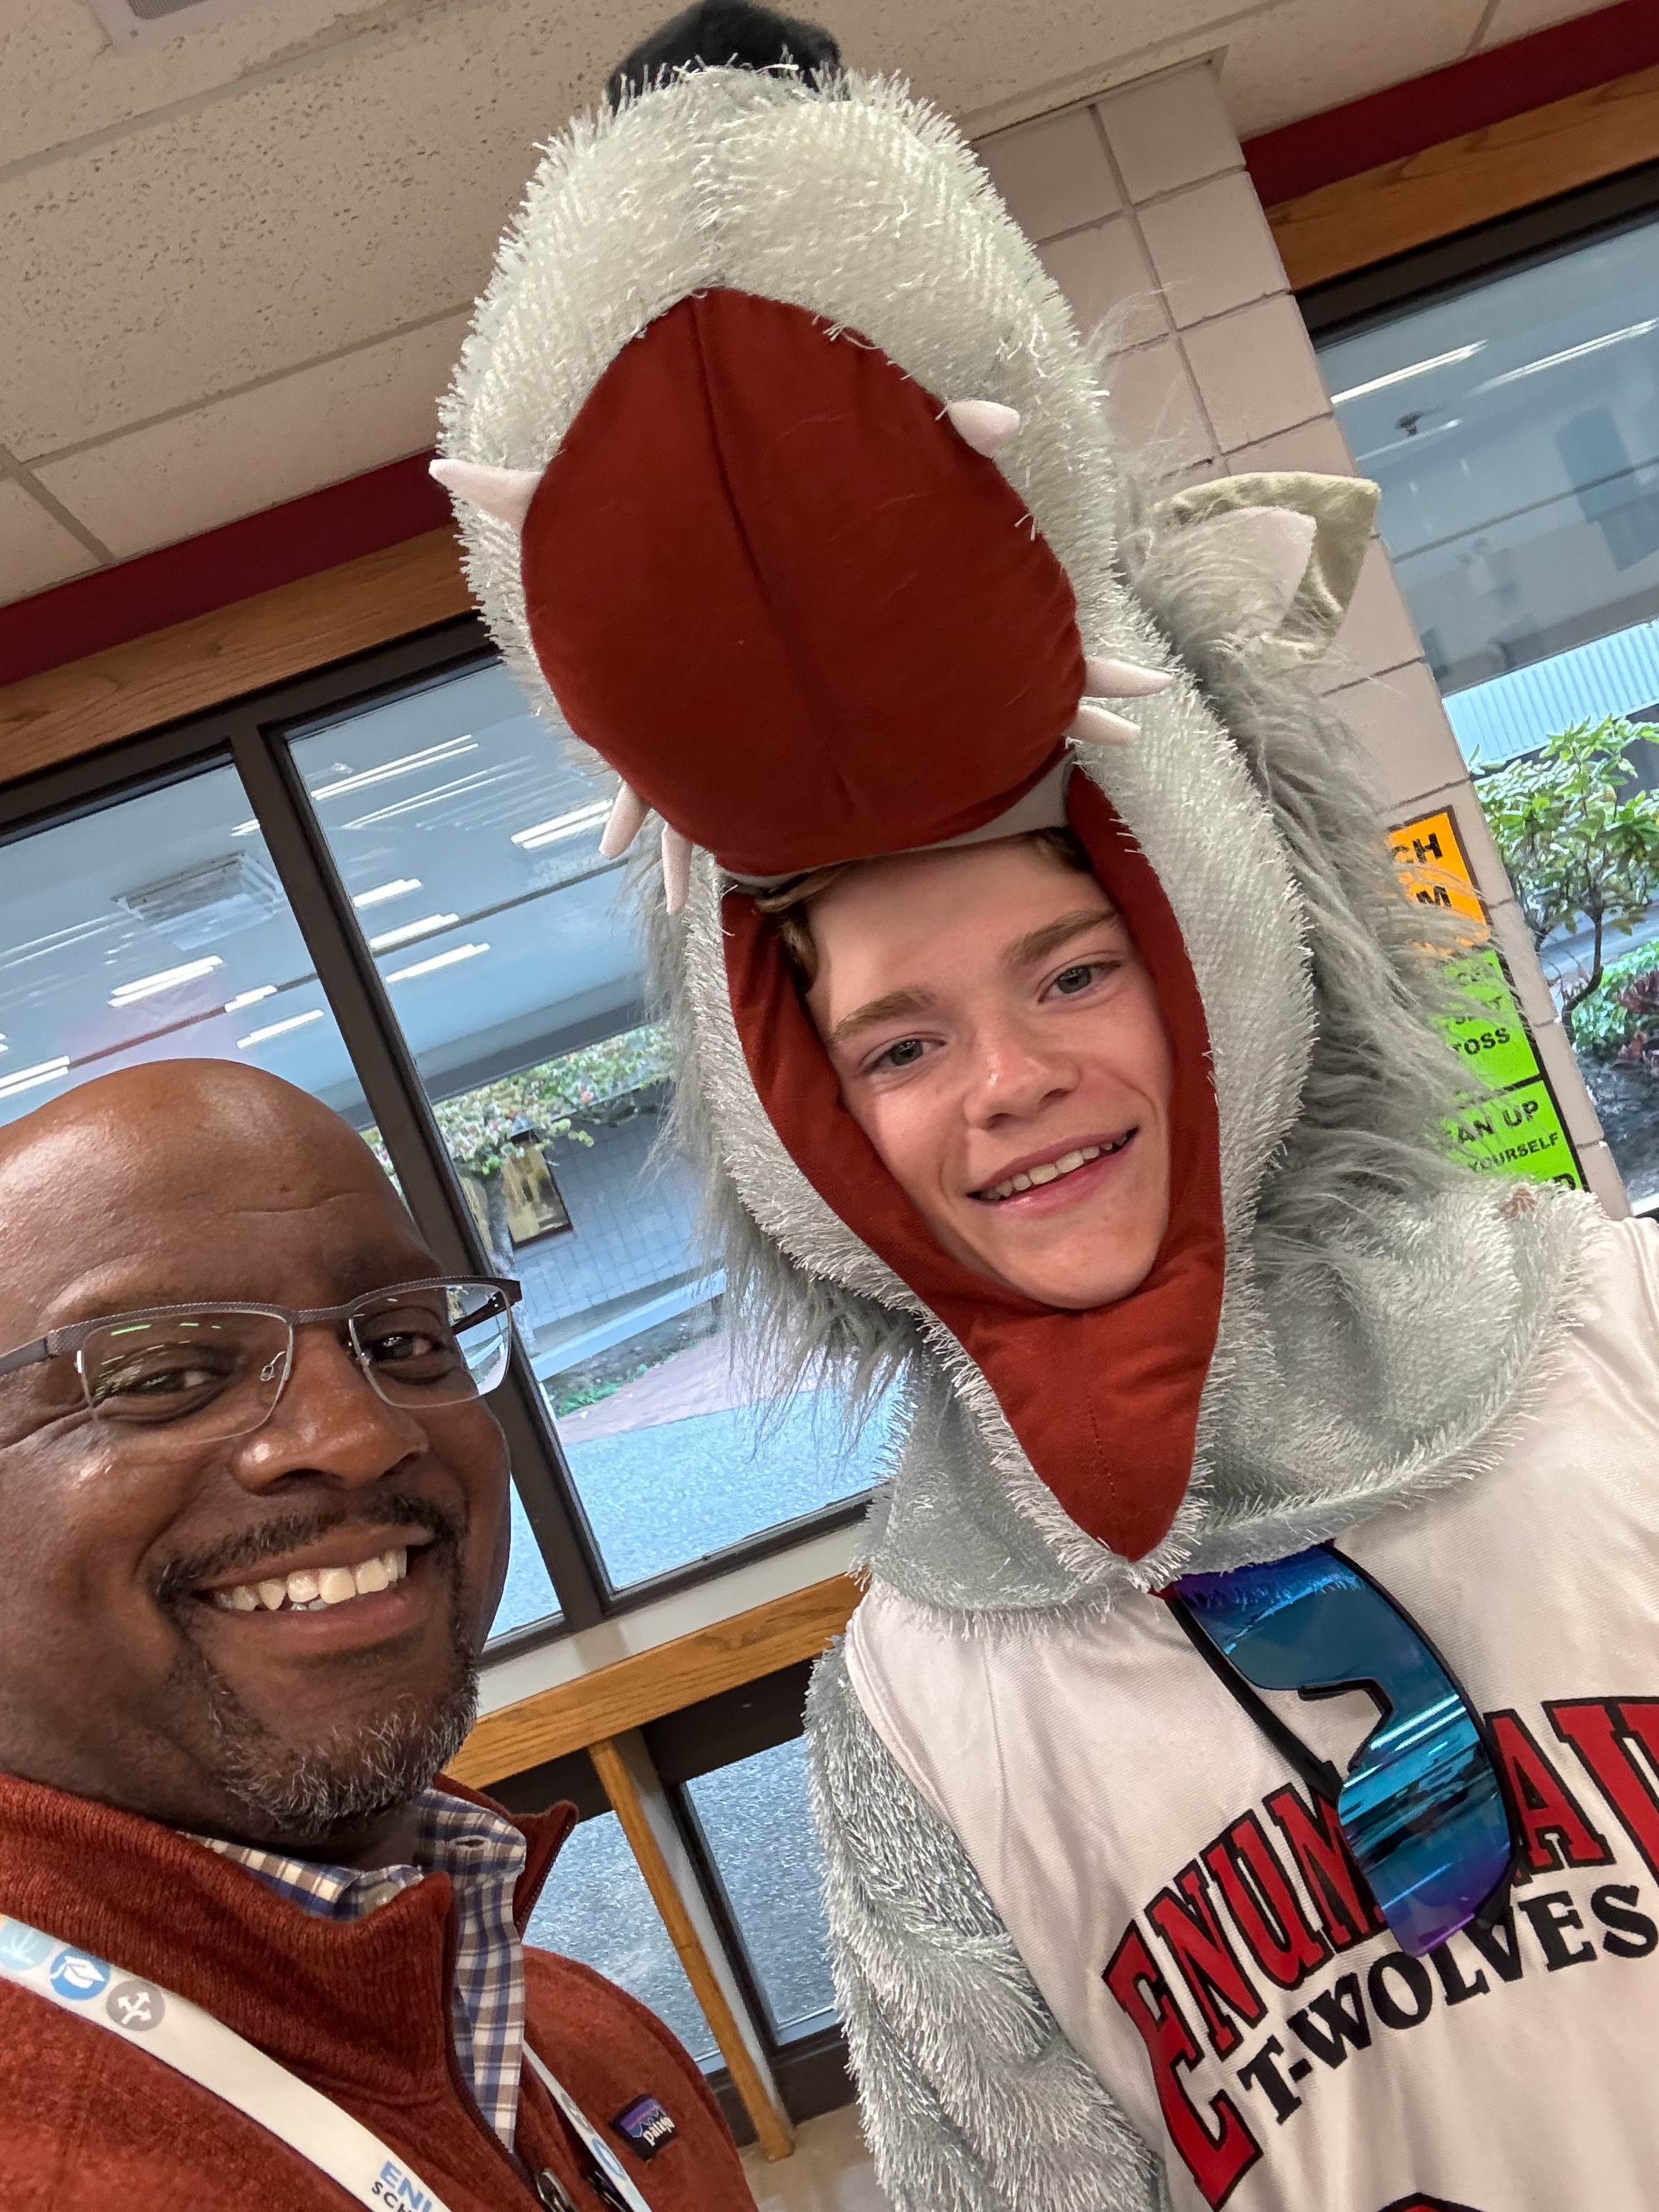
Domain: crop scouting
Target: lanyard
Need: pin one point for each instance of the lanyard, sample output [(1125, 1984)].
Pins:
[(202, 2049), (622, 2194)]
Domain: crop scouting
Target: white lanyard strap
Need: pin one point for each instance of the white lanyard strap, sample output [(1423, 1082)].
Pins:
[(627, 2197), (202, 2049)]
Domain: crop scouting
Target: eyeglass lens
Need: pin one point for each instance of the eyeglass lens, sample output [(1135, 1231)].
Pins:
[(224, 1372), (434, 1346), (1423, 1809)]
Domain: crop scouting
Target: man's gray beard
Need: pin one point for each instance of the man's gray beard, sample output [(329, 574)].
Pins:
[(355, 1778), (306, 1798)]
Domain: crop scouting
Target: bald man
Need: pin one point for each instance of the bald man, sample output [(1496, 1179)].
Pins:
[(254, 1528)]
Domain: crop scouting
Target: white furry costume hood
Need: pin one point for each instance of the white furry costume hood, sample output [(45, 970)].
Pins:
[(1384, 1311)]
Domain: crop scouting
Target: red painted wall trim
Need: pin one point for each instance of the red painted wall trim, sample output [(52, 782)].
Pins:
[(369, 513), (1489, 88), (365, 514)]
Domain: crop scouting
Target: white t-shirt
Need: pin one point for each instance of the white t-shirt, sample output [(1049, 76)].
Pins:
[(1191, 1918)]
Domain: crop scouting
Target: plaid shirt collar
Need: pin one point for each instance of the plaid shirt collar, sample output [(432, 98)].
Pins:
[(484, 1855)]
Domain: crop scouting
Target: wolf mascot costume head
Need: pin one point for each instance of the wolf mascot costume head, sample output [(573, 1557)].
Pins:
[(786, 487)]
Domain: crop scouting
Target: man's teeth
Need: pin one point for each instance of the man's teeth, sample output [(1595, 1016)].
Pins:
[(1051, 1170), (311, 1589)]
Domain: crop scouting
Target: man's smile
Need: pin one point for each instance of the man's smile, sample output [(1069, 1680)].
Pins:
[(315, 1586)]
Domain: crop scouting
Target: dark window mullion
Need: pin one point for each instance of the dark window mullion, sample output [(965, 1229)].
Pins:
[(397, 1098)]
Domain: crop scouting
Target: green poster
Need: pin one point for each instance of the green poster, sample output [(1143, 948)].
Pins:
[(1518, 1134), (1494, 1045)]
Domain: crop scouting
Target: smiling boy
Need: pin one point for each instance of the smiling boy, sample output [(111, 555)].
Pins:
[(1015, 1076)]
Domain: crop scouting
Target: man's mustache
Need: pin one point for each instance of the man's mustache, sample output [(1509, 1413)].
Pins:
[(249, 1548)]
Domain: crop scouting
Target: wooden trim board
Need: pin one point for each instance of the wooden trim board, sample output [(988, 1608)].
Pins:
[(771, 2124), (1467, 180), (572, 1715), (270, 638)]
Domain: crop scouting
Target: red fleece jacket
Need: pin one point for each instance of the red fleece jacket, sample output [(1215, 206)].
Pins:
[(359, 2009)]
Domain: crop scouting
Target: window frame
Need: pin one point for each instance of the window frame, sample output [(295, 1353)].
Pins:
[(1360, 300), (253, 734)]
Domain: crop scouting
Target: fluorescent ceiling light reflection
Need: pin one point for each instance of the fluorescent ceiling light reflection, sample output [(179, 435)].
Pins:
[(382, 892), (452, 749), (1569, 353), (479, 779), (423, 927), (1416, 369), (439, 960), (278, 1028), (44, 1071), (561, 825), (245, 829), (250, 998), (167, 979)]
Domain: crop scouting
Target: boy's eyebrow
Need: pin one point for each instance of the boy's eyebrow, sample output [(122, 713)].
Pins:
[(910, 1001), (1030, 950)]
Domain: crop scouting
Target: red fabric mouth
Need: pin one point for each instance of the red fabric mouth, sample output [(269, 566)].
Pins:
[(774, 589), (1104, 1403)]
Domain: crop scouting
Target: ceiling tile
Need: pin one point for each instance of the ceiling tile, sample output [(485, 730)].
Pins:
[(238, 456), (980, 61), (1304, 55), (260, 233), (35, 549), (63, 79)]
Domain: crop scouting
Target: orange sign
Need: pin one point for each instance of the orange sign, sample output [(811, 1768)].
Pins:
[(1435, 866)]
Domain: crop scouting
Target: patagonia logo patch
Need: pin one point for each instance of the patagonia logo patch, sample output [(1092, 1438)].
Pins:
[(645, 2126)]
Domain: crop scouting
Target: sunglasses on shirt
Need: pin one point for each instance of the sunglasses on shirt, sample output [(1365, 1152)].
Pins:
[(1423, 1806)]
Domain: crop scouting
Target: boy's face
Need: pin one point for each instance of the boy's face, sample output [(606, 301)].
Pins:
[(999, 1043)]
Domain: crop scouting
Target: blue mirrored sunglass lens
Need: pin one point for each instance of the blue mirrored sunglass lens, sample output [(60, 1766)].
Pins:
[(1422, 1807)]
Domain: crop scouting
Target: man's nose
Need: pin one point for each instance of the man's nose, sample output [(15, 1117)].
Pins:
[(1016, 1072), (330, 1420)]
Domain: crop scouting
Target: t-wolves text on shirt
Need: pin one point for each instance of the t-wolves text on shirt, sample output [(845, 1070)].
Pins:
[(1193, 1917)]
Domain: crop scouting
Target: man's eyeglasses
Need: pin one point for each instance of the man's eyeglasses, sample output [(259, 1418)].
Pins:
[(222, 1367), (1423, 1806)]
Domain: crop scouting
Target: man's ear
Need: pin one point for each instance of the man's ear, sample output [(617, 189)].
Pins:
[(1302, 539)]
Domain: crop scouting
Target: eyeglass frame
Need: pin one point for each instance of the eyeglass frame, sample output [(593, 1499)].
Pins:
[(73, 1335)]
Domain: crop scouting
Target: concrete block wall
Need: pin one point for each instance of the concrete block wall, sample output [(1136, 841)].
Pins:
[(1141, 207)]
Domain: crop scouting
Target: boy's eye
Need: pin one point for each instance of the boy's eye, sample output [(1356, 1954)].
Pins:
[(905, 1054), (1071, 981)]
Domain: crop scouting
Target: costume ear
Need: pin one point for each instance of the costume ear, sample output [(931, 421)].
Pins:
[(1305, 535)]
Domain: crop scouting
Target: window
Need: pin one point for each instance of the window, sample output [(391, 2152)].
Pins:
[(1511, 414), (597, 1908), (385, 885), (758, 1830)]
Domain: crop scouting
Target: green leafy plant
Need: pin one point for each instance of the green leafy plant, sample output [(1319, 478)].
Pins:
[(1620, 1019), (596, 1085), (1579, 838)]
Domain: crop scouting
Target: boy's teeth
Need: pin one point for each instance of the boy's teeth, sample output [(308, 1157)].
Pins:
[(312, 1590), (1050, 1172)]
